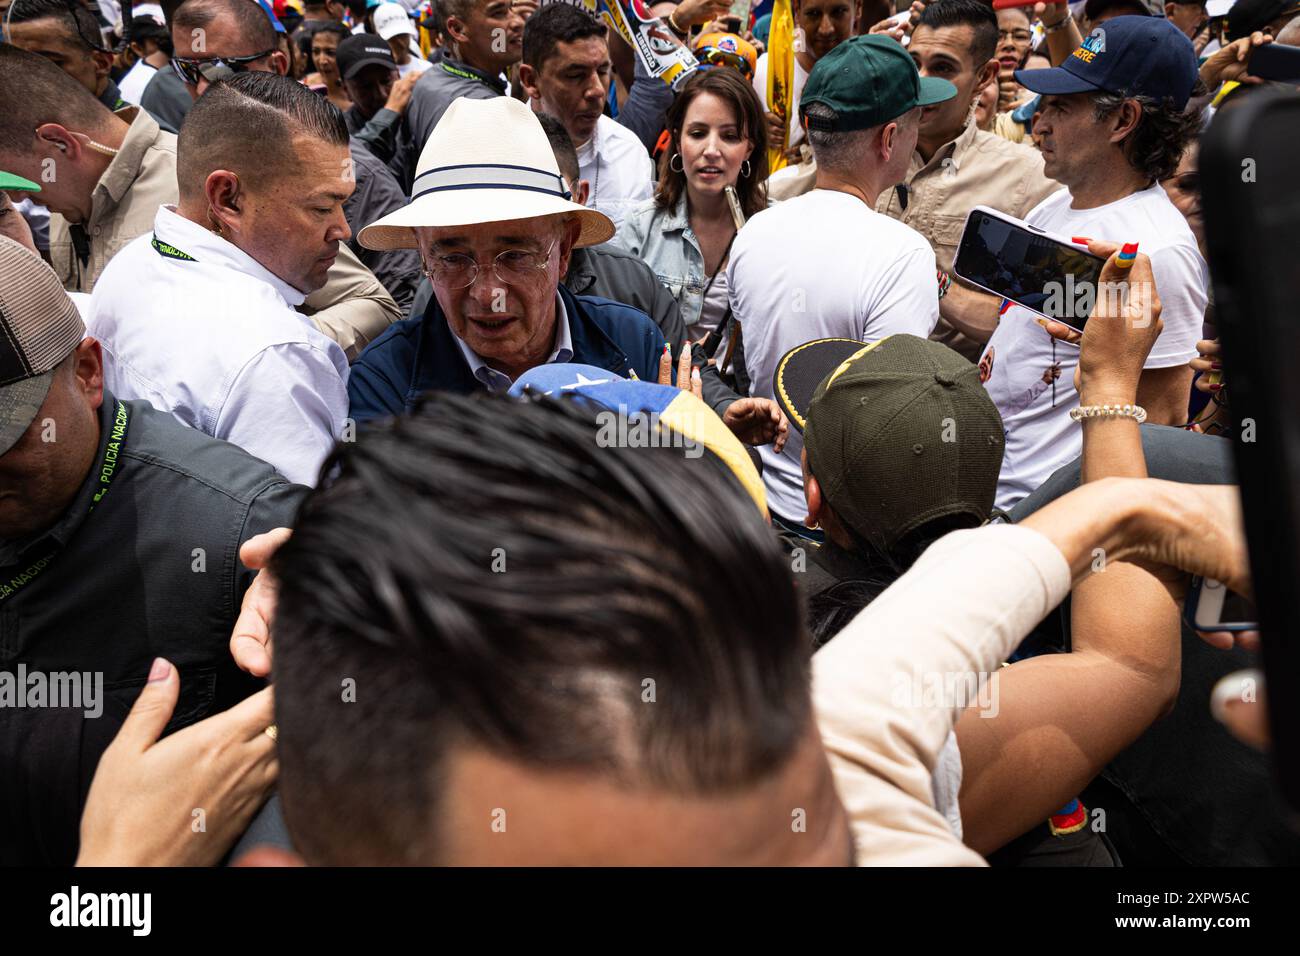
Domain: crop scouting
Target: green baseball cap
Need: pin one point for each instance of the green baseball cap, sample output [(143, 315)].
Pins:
[(867, 81), (898, 433), (10, 181)]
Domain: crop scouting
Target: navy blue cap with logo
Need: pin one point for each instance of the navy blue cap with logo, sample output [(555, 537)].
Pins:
[(1127, 56)]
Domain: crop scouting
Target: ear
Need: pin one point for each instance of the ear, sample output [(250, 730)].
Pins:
[(988, 74), (60, 140), (279, 61), (572, 229), (528, 80), (1169, 9), (581, 192), (454, 27), (1124, 120), (812, 492), (89, 370), (103, 61), (225, 197), (888, 140)]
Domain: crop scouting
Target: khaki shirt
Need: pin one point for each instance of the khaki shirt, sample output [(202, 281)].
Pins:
[(975, 169), (141, 177), (351, 308)]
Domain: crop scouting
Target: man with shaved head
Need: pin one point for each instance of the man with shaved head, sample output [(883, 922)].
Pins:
[(199, 316)]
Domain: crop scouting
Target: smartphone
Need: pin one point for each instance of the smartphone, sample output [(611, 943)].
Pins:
[(1020, 262), (732, 24), (1210, 606), (1251, 199), (1276, 61)]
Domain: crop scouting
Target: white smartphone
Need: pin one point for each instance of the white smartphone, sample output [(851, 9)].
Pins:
[(1211, 606), (1014, 260)]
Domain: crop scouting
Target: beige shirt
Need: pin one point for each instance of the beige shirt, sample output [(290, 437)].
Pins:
[(962, 608), (352, 308), (141, 177), (976, 169)]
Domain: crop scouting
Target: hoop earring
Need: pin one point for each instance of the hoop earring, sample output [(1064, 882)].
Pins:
[(676, 169), (745, 169)]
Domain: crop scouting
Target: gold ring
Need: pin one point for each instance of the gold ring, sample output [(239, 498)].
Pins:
[(271, 731)]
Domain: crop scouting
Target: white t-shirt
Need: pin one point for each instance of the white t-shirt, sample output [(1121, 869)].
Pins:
[(137, 78), (1030, 375), (615, 163), (760, 87), (416, 64), (822, 265)]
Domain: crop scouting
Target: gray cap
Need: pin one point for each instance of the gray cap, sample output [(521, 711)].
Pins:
[(39, 327)]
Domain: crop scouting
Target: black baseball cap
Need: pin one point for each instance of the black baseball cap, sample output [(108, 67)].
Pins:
[(1247, 16), (1141, 8), (1127, 56), (898, 433), (361, 50), (867, 81)]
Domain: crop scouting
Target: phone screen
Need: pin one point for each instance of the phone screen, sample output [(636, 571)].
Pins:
[(1052, 278)]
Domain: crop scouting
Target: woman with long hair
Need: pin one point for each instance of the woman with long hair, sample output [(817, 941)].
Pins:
[(684, 233), (324, 52)]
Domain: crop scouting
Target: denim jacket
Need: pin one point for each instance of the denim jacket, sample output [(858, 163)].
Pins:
[(664, 240)]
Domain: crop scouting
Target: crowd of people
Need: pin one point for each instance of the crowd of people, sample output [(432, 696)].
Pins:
[(474, 449)]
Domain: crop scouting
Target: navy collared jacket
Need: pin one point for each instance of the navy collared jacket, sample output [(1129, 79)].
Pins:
[(420, 354)]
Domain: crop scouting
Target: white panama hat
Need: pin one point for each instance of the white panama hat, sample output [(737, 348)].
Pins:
[(486, 161)]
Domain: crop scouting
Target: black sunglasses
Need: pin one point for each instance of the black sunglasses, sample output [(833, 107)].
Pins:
[(214, 68)]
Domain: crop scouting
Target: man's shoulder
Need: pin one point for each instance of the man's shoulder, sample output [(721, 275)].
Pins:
[(213, 467), (1005, 151), (612, 254), (395, 344), (616, 318), (619, 137)]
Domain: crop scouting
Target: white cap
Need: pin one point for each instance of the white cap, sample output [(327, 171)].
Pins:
[(392, 20)]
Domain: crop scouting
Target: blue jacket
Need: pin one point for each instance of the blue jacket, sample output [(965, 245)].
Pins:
[(419, 355)]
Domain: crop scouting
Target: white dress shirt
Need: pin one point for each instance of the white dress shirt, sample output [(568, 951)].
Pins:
[(198, 328), (616, 164), (500, 381)]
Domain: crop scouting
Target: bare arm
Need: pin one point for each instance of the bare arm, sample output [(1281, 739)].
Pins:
[(1062, 717), (1060, 43), (1163, 393), (972, 312)]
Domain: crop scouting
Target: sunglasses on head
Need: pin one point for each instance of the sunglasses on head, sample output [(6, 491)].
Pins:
[(214, 68), (711, 56)]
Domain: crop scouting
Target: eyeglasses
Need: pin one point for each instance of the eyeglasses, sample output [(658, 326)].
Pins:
[(214, 68), (458, 271), (1020, 36)]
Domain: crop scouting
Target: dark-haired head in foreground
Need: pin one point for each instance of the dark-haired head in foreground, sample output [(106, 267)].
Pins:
[(498, 643), (265, 162)]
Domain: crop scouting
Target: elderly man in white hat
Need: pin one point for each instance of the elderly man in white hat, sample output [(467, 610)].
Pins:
[(494, 225)]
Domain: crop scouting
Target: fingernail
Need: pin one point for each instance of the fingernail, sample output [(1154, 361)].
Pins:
[(1126, 255), (1081, 240), (695, 374), (668, 349), (1216, 387), (1217, 366), (159, 670)]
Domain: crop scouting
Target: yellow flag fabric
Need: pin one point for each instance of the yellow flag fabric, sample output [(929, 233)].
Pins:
[(780, 77)]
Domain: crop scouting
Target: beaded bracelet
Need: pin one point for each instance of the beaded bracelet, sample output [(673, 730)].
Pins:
[(1135, 412), (945, 281)]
